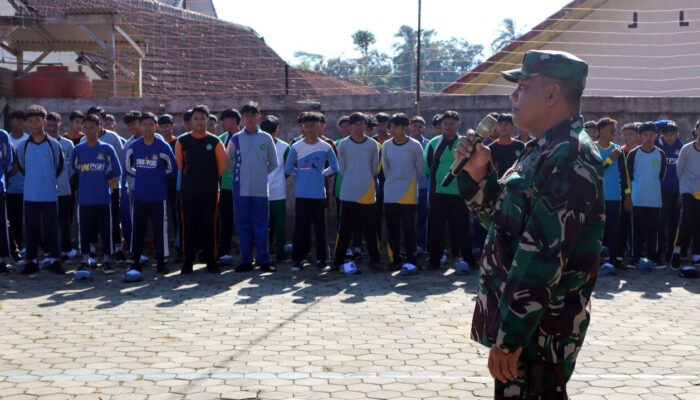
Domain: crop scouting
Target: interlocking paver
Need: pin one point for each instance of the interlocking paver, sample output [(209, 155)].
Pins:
[(370, 336)]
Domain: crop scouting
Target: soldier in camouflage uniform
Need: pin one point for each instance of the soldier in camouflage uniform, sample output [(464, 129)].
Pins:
[(545, 220)]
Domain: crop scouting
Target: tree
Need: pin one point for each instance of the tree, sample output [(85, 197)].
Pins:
[(362, 39), (309, 61), (507, 33), (446, 61), (404, 59)]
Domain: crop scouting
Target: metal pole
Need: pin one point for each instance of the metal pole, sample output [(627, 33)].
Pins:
[(112, 57), (418, 62)]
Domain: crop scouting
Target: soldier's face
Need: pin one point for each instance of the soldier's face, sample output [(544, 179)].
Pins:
[(529, 100)]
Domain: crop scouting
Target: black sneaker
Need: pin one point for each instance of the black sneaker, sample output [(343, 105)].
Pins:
[(56, 268), (675, 261), (213, 268), (30, 268), (186, 269), (119, 255), (84, 267), (395, 266), (107, 268), (268, 267), (161, 268), (298, 266), (244, 267), (321, 265), (3, 268)]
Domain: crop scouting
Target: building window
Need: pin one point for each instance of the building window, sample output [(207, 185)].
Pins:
[(635, 18)]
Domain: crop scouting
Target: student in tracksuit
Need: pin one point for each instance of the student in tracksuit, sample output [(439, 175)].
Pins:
[(15, 185), (647, 167), (230, 120), (6, 158), (166, 127), (251, 157), (150, 161), (40, 159), (276, 181), (402, 161), (65, 197), (96, 163), (201, 160), (114, 140), (358, 159), (307, 160)]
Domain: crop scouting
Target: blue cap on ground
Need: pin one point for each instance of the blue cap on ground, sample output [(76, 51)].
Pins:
[(690, 272), (408, 269), (349, 268), (82, 275), (288, 249), (132, 275), (607, 269), (462, 268), (645, 265)]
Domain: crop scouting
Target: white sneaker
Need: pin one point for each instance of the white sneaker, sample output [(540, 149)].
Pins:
[(23, 253), (226, 259)]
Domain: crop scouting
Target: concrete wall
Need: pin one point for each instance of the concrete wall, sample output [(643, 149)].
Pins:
[(685, 111)]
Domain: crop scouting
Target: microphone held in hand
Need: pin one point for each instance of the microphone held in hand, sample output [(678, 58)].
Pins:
[(483, 130)]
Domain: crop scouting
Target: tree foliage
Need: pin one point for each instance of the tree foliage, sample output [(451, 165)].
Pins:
[(507, 32), (442, 61)]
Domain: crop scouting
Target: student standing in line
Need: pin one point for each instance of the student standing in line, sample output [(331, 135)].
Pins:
[(151, 162), (358, 159), (15, 185), (230, 121), (276, 181), (97, 164), (5, 166), (402, 161), (307, 160), (647, 167), (65, 197), (251, 157), (40, 159), (201, 160), (166, 129), (417, 128)]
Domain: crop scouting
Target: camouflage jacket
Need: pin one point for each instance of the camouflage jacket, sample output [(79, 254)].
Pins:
[(545, 220)]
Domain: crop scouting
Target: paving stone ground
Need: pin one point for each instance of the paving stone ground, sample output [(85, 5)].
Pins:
[(314, 335)]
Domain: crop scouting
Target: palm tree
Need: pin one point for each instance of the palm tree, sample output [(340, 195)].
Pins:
[(507, 33)]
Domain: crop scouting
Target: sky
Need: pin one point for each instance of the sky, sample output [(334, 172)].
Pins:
[(325, 26)]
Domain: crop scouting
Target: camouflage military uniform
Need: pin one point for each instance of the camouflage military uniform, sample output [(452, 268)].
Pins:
[(545, 220)]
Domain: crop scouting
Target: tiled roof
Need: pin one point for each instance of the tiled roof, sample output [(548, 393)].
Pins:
[(329, 85), (191, 54), (511, 55)]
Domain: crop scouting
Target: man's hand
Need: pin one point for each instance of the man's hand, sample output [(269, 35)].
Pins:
[(617, 152), (628, 203), (478, 154), (504, 367)]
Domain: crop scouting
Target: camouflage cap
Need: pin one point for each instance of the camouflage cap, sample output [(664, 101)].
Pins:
[(555, 64)]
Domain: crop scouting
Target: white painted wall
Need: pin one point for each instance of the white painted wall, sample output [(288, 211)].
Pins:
[(658, 58)]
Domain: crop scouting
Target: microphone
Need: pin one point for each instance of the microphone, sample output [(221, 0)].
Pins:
[(483, 130)]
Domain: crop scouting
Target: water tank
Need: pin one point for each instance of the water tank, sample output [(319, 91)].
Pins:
[(53, 81)]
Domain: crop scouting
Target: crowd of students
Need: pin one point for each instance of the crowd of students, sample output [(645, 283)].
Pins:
[(383, 173), (652, 193)]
